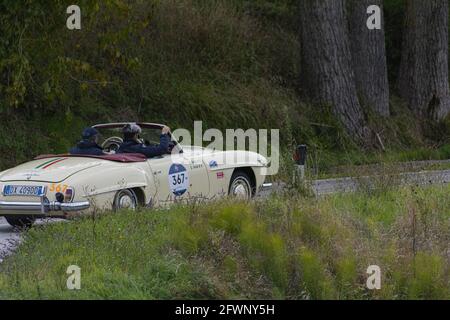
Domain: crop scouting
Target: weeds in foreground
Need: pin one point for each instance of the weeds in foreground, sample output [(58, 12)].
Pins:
[(282, 247)]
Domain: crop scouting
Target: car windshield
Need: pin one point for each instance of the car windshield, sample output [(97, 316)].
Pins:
[(147, 135), (110, 139)]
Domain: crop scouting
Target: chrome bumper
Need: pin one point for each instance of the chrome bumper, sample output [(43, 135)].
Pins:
[(43, 206)]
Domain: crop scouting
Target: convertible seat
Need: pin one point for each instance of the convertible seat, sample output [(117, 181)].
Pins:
[(121, 157)]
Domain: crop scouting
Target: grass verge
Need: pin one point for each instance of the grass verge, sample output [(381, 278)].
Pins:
[(283, 247)]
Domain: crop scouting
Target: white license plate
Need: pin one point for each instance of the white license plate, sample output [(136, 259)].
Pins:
[(31, 191)]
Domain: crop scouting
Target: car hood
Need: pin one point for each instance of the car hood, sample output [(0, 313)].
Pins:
[(54, 169)]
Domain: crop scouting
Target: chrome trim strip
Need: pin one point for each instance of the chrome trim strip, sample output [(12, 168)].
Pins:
[(44, 206), (20, 206)]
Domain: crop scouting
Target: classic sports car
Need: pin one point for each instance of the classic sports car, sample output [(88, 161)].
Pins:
[(68, 185)]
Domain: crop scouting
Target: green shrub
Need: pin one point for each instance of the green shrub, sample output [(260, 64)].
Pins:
[(346, 276), (188, 234), (429, 280), (232, 217), (315, 280), (265, 251)]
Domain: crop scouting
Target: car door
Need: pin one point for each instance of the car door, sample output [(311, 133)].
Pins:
[(199, 178), (179, 177)]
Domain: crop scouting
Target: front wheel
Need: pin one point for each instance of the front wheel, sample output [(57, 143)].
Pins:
[(241, 186), (23, 222), (125, 199)]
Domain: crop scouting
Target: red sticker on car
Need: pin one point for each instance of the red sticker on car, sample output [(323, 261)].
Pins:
[(220, 175)]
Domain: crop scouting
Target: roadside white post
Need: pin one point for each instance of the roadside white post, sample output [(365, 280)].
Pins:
[(300, 162)]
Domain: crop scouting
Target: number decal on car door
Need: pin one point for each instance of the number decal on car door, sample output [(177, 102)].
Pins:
[(178, 179)]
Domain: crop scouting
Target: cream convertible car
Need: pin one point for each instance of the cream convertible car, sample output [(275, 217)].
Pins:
[(69, 185)]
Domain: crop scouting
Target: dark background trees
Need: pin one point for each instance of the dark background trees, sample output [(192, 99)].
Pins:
[(369, 57), (328, 76), (423, 78), (307, 67)]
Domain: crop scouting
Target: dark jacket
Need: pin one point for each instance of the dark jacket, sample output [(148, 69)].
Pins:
[(132, 146), (85, 147)]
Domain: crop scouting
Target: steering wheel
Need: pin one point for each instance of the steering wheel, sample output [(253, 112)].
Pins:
[(112, 144)]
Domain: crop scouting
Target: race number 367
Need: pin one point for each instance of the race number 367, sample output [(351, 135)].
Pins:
[(178, 179)]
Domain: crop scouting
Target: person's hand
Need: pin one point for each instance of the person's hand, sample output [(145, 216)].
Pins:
[(165, 130)]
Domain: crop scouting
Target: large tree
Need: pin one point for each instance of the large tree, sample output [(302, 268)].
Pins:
[(326, 62), (369, 56), (423, 77)]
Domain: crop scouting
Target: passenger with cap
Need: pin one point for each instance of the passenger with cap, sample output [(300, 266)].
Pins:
[(89, 144), (132, 144)]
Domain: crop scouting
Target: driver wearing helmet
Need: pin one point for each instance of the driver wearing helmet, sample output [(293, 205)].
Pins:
[(132, 144), (89, 144)]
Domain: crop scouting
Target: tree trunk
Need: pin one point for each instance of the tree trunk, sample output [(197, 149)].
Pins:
[(327, 73), (423, 77), (369, 57)]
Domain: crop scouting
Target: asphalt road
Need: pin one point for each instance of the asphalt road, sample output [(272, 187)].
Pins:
[(10, 238), (421, 178)]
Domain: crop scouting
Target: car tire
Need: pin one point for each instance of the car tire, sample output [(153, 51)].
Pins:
[(125, 199), (240, 186), (22, 222)]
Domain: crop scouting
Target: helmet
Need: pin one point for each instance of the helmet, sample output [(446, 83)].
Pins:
[(89, 133), (131, 128)]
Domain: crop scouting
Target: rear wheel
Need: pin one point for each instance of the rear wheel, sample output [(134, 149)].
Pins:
[(125, 199), (241, 186), (23, 222)]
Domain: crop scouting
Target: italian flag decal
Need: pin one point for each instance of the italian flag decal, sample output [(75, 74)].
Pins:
[(49, 163)]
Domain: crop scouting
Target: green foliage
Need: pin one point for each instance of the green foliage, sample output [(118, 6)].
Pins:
[(161, 61), (317, 283), (347, 276), (188, 235), (429, 280), (283, 247), (228, 63), (266, 253), (232, 218)]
